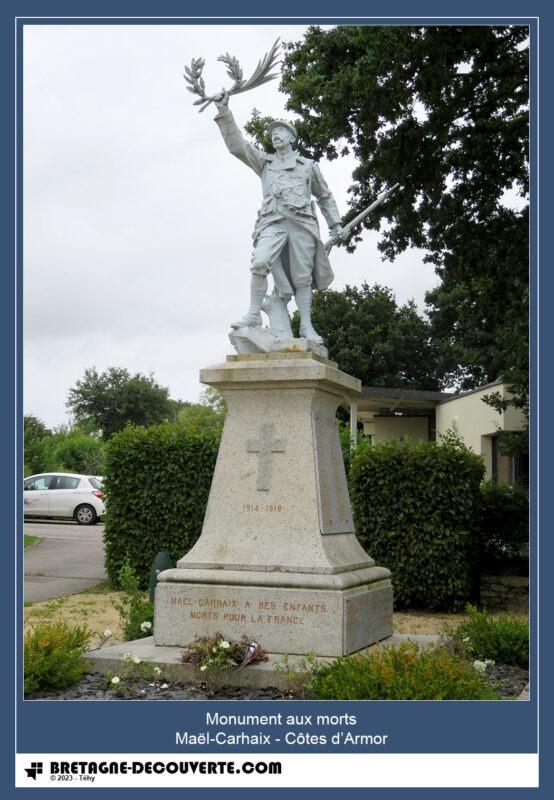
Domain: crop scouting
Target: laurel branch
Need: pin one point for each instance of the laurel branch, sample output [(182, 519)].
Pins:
[(262, 74)]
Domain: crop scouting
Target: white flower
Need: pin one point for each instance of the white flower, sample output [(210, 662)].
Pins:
[(480, 666), (107, 633), (203, 668), (465, 639), (136, 660), (145, 626), (489, 662), (115, 679), (225, 645), (157, 671), (127, 657), (214, 649)]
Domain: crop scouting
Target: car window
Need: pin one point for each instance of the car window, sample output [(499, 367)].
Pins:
[(95, 483), (41, 482), (65, 482)]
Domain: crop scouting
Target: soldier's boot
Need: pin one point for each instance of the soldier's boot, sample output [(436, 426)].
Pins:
[(253, 318), (303, 297)]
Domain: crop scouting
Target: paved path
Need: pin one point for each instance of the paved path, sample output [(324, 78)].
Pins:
[(69, 559)]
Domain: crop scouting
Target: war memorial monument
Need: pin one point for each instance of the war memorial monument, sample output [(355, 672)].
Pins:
[(278, 559)]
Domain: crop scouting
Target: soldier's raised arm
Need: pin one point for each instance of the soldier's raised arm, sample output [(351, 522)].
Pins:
[(233, 138)]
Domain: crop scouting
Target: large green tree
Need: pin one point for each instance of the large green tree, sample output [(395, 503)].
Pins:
[(114, 398), (443, 111), (372, 338)]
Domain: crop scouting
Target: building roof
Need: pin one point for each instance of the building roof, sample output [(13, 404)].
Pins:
[(379, 398), (497, 382)]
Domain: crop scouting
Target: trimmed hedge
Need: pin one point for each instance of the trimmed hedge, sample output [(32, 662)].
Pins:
[(504, 526), (416, 509), (157, 482)]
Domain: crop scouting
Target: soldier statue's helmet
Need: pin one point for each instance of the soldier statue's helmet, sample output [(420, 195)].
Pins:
[(282, 123)]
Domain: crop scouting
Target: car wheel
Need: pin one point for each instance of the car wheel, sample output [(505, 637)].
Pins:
[(85, 515)]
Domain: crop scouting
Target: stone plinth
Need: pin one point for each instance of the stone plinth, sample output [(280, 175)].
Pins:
[(278, 559)]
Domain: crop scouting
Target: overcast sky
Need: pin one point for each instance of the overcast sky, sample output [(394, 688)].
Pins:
[(138, 222)]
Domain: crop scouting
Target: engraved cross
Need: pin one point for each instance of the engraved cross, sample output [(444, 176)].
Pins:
[(265, 446)]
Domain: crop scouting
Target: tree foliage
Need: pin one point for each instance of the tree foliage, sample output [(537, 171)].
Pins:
[(66, 449), (114, 398), (197, 417), (443, 111), (34, 432), (374, 339)]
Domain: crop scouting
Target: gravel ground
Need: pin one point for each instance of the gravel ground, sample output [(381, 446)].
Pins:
[(93, 687), (508, 680)]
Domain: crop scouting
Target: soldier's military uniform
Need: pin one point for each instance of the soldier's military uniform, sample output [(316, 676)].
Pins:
[(286, 236)]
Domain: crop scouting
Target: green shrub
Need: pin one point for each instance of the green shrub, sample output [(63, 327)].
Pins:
[(54, 655), (67, 450), (415, 507), (504, 525), (157, 482), (504, 639), (136, 612), (78, 452), (404, 673), (346, 443)]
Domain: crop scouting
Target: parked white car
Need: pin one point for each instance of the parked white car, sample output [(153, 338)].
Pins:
[(64, 495)]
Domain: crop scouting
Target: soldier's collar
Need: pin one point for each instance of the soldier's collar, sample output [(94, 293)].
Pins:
[(287, 162)]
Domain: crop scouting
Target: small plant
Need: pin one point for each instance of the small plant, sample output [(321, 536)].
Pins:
[(404, 673), (104, 638), (214, 654), (298, 673), (54, 655), (504, 639), (133, 671), (135, 610)]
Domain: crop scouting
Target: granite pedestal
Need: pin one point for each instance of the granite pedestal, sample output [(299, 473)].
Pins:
[(278, 559)]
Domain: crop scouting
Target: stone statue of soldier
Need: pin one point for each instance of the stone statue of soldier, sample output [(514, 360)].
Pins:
[(286, 237)]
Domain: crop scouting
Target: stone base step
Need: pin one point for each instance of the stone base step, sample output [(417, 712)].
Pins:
[(259, 676)]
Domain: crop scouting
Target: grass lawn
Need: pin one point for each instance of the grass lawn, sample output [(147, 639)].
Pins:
[(436, 622), (94, 607), (29, 540)]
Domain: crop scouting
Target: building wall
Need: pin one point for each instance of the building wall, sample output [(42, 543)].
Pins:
[(477, 423), (382, 428)]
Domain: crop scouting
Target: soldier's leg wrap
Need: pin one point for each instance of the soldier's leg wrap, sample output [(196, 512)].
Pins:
[(258, 289), (303, 299)]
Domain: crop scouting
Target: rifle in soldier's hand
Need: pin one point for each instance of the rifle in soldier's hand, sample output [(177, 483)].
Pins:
[(356, 221)]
